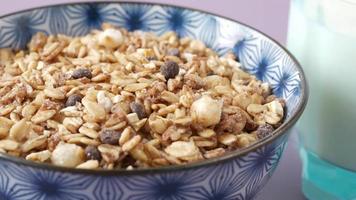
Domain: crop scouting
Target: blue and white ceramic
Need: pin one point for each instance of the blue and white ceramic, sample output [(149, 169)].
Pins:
[(239, 175)]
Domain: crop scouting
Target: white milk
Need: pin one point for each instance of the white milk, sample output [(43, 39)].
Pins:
[(328, 125)]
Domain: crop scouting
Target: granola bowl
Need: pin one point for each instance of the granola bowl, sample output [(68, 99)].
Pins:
[(60, 87)]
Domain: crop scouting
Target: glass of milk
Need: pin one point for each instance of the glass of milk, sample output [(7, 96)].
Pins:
[(322, 35)]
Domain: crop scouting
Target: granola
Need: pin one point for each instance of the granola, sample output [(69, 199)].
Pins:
[(119, 99)]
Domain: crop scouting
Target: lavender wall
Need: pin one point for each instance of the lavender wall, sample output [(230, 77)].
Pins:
[(269, 16)]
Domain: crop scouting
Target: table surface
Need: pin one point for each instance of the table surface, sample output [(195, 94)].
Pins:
[(285, 183)]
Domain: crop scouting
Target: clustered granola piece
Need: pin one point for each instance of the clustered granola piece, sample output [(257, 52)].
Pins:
[(119, 99)]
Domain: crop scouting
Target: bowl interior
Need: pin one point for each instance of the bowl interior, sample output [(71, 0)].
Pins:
[(259, 54)]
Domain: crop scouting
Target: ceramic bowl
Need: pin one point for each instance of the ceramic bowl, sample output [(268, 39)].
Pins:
[(238, 175)]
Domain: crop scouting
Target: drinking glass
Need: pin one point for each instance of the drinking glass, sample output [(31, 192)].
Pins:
[(322, 35)]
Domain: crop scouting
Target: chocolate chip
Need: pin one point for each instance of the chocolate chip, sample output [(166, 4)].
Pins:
[(250, 126), (92, 153), (173, 52), (128, 161), (264, 130), (73, 99), (139, 109), (82, 72), (110, 136), (170, 69)]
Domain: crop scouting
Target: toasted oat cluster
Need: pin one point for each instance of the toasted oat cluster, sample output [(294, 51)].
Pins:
[(119, 99)]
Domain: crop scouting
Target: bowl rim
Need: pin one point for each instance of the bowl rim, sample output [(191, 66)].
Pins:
[(280, 131)]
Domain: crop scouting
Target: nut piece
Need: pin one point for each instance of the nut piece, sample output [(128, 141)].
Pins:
[(131, 143), (8, 145), (169, 97), (168, 109), (138, 154), (138, 125), (194, 81), (41, 156), (206, 111), (34, 143), (90, 164), (255, 109), (125, 135), (54, 93), (158, 124), (67, 155), (214, 80), (173, 133), (71, 111), (245, 139), (197, 46), (72, 123), (88, 132), (227, 139), (83, 141), (182, 150), (38, 41), (214, 153), (20, 130), (5, 125), (136, 87), (170, 69), (232, 123), (258, 112), (104, 101), (95, 110), (43, 115), (242, 100), (4, 110), (110, 153), (207, 133), (274, 112), (115, 118), (110, 38), (28, 111)]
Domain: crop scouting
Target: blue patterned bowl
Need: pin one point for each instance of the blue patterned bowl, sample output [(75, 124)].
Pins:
[(239, 175)]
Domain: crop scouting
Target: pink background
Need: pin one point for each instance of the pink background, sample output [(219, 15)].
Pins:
[(270, 16)]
